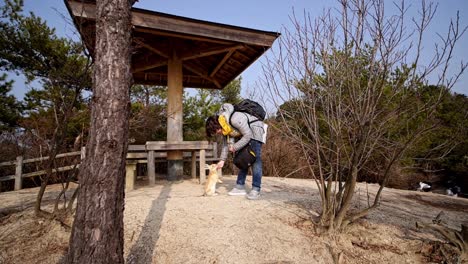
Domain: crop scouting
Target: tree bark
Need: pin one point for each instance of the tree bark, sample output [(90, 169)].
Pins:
[(97, 234)]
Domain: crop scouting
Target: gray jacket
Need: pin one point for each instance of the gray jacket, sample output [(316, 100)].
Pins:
[(240, 122)]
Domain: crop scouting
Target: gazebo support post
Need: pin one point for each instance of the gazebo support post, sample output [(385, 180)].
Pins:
[(175, 165)]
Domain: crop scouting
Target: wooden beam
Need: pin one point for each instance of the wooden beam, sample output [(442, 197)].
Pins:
[(202, 28), (186, 26), (153, 49), (203, 75), (194, 165), (130, 174), (136, 148), (251, 49), (182, 145), (202, 166), (174, 105), (225, 58), (18, 173), (235, 61), (149, 66), (43, 172), (151, 168), (210, 51), (245, 57), (182, 36)]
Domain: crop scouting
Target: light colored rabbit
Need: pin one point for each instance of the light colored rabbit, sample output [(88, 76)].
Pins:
[(213, 178)]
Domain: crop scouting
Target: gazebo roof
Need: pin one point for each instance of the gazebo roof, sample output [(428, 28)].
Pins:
[(212, 54)]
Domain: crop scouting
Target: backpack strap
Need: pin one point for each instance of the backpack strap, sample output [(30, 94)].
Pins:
[(248, 121)]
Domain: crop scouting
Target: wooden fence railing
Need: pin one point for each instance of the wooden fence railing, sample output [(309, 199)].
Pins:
[(19, 163), (136, 154)]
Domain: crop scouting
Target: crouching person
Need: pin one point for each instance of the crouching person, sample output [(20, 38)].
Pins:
[(239, 129)]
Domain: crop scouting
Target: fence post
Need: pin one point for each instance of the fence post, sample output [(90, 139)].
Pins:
[(130, 174), (151, 168), (83, 154), (18, 172)]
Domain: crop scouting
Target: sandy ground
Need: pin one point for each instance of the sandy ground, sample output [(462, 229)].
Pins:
[(174, 223)]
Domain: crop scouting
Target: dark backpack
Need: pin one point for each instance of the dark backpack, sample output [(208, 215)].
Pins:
[(252, 108)]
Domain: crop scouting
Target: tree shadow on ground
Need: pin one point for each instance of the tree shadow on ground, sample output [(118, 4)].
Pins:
[(142, 250)]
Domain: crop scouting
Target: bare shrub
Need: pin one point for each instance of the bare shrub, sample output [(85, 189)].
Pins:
[(351, 92)]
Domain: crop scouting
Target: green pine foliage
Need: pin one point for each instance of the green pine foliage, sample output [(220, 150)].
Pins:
[(10, 108), (57, 111)]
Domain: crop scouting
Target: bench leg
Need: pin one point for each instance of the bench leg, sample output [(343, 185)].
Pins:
[(151, 168), (130, 175), (194, 165), (202, 167)]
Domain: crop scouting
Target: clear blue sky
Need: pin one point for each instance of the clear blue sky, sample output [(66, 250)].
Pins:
[(269, 15)]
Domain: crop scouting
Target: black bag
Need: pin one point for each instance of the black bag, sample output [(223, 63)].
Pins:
[(244, 157), (252, 108)]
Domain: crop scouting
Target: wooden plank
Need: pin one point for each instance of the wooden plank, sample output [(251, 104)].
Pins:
[(62, 155), (12, 177), (202, 74), (151, 168), (178, 35), (151, 48), (7, 178), (137, 155), (202, 28), (194, 165), (82, 10), (182, 145), (225, 58), (175, 92), (7, 163), (160, 21), (68, 154), (83, 153), (210, 51), (18, 172), (244, 57), (130, 175), (149, 66), (202, 166), (163, 154), (43, 172), (136, 148)]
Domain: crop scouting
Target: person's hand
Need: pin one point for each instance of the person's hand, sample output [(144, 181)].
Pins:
[(220, 164), (231, 148)]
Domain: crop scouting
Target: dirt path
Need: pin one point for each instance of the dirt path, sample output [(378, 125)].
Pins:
[(173, 223)]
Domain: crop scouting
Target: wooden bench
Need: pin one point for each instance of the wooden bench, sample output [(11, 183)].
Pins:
[(201, 151)]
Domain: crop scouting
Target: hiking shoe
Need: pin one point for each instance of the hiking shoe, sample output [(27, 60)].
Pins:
[(253, 195), (237, 192)]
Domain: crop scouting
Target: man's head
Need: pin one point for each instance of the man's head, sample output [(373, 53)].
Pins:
[(212, 126)]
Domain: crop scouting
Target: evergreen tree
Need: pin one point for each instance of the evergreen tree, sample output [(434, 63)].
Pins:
[(10, 108)]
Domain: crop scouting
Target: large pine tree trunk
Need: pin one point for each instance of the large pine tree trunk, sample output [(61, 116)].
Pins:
[(97, 234)]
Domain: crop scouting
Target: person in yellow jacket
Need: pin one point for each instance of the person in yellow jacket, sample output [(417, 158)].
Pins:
[(238, 130)]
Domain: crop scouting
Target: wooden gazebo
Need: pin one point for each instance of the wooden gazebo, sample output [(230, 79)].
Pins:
[(179, 52)]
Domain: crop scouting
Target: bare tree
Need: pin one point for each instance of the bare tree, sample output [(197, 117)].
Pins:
[(97, 233), (345, 85)]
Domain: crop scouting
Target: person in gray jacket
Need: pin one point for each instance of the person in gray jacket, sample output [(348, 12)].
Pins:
[(238, 130)]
